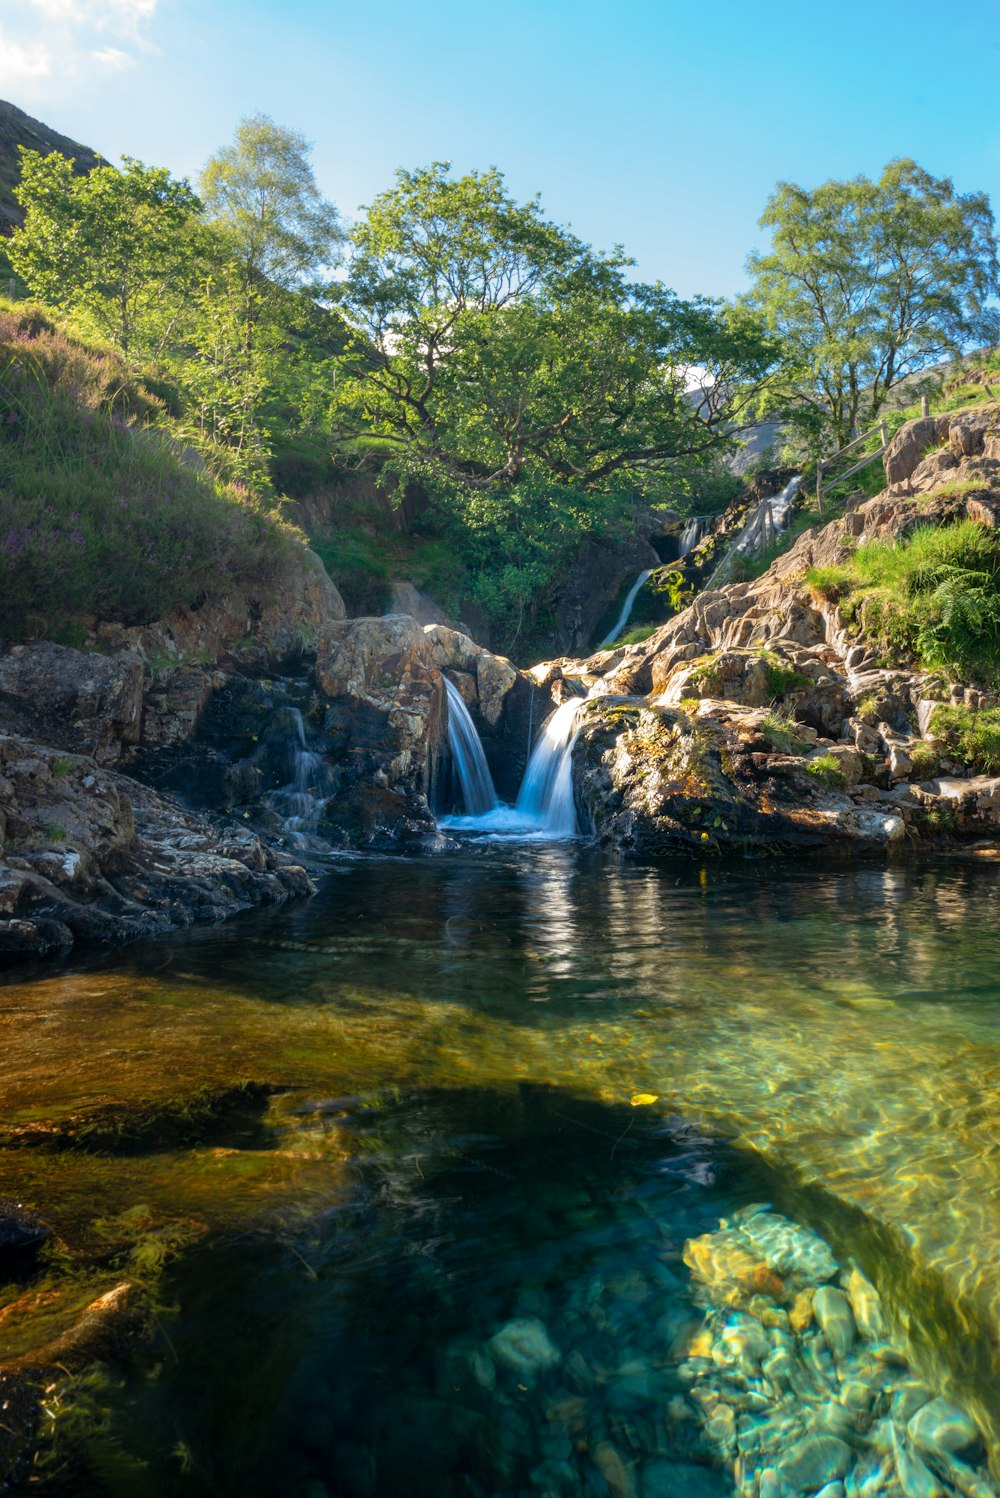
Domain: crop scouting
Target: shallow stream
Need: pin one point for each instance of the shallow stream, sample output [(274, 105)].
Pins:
[(445, 1182)]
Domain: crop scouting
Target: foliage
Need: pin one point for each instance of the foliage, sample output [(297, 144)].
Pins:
[(779, 730), (100, 513), (781, 677), (975, 735), (868, 282), (826, 769), (637, 635), (934, 595), (261, 194), (113, 247)]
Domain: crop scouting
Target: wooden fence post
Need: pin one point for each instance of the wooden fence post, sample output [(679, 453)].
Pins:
[(925, 406)]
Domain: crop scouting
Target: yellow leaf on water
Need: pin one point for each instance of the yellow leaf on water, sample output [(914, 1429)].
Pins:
[(640, 1099)]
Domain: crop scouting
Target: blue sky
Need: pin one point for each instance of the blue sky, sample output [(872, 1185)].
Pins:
[(662, 127)]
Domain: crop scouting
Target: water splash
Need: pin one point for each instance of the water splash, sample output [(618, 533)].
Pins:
[(478, 791), (627, 607)]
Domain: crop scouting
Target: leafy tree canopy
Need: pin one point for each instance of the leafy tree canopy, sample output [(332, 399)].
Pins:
[(868, 282), (112, 246), (261, 192), (495, 349)]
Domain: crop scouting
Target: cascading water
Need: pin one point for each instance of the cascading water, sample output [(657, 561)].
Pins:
[(546, 794), (545, 805), (627, 606), (478, 792), (692, 533), (300, 802)]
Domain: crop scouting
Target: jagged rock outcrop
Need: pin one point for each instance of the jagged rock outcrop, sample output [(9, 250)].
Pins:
[(761, 716), (384, 710)]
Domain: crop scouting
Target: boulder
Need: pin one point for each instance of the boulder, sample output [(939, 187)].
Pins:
[(73, 699), (909, 445)]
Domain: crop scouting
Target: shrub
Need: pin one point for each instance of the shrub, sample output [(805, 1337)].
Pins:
[(780, 733), (924, 761), (826, 769), (975, 736), (933, 596)]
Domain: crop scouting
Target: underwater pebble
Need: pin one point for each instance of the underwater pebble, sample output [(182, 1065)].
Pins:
[(834, 1314), (865, 1304), (524, 1346), (832, 1490), (941, 1426), (916, 1479), (813, 1461)]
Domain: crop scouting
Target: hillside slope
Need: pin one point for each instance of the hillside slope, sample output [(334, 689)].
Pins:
[(19, 129)]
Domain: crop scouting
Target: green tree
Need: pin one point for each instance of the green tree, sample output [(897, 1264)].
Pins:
[(113, 247), (530, 386), (868, 282), (271, 236), (494, 347)]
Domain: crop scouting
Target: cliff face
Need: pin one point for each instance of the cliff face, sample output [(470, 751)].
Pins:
[(771, 714), (19, 129)]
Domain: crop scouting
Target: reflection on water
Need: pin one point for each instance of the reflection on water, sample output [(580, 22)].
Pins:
[(840, 1030)]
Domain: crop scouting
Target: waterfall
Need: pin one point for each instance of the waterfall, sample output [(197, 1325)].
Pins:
[(300, 802), (692, 533), (545, 806), (478, 793), (626, 612), (546, 794)]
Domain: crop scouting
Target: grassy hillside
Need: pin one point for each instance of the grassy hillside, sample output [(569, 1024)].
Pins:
[(102, 512)]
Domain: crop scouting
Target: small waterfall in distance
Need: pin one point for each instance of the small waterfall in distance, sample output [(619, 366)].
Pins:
[(478, 791), (627, 606), (300, 802), (694, 530)]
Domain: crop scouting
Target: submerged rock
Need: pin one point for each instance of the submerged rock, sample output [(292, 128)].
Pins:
[(833, 1312), (814, 1461), (524, 1347), (941, 1426)]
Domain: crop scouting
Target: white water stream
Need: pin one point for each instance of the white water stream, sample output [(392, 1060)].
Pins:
[(478, 791), (545, 806), (627, 606)]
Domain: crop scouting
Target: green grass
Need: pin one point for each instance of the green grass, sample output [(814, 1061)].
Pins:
[(779, 731), (826, 769), (635, 636), (102, 513), (973, 736), (933, 597)]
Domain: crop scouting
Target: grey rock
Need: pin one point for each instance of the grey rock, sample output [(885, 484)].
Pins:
[(814, 1461), (942, 1426), (834, 1314)]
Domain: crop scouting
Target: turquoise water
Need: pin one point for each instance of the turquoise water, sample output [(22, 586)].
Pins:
[(446, 1246)]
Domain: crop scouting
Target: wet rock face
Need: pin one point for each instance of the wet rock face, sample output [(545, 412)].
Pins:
[(89, 855), (382, 678), (91, 704)]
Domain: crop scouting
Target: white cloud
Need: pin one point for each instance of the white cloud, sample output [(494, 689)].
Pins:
[(62, 39), (113, 58), (20, 65)]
